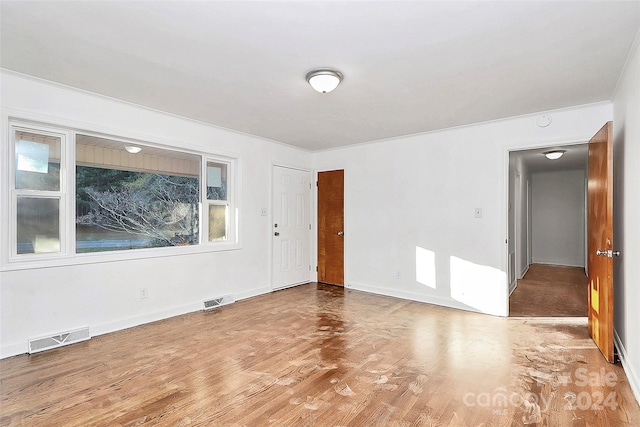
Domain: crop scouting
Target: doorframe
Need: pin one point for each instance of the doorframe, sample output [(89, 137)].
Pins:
[(517, 225), (529, 226), (504, 218), (312, 219)]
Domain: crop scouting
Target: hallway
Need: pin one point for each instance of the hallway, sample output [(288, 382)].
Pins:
[(550, 291)]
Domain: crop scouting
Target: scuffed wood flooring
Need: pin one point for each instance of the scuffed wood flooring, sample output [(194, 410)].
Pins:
[(317, 355)]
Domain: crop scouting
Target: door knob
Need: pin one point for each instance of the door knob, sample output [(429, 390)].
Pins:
[(276, 234), (340, 233), (608, 253)]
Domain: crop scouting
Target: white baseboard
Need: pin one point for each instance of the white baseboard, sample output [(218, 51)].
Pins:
[(629, 369), (560, 264), (513, 286), (250, 293), (118, 325), (412, 296), (121, 324), (14, 349)]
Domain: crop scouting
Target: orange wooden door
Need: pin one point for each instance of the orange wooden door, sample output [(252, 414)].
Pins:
[(331, 227), (600, 239)]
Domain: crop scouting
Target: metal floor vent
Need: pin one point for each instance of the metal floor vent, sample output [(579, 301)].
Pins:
[(217, 302), (58, 340)]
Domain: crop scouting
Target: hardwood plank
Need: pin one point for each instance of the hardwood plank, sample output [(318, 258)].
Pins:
[(325, 356)]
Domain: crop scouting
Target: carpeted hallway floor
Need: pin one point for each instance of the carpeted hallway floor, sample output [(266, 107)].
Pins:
[(550, 291)]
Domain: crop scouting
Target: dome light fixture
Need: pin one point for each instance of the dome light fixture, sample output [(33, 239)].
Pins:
[(554, 154), (132, 149), (324, 80)]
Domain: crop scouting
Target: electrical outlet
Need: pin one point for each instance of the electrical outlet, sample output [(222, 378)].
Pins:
[(263, 211), (397, 274), (144, 293)]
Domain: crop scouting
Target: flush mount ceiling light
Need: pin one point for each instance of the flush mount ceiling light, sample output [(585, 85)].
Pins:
[(324, 80), (554, 154), (132, 149)]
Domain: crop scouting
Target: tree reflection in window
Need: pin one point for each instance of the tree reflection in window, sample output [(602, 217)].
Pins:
[(117, 209)]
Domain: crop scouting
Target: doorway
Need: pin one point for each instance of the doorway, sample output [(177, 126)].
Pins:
[(547, 233)]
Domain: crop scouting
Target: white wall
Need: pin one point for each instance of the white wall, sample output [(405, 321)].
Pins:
[(409, 207), (557, 214), (105, 296), (626, 224)]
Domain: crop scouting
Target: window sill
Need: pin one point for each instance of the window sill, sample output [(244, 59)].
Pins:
[(53, 261)]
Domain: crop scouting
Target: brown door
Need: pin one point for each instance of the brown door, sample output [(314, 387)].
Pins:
[(600, 239), (331, 227)]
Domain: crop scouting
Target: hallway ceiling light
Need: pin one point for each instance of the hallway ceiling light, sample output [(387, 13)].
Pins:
[(324, 80), (132, 149), (554, 155)]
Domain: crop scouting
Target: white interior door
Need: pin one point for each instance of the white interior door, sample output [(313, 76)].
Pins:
[(291, 227)]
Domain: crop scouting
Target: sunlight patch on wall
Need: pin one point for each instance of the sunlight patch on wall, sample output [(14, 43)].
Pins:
[(478, 286), (426, 267)]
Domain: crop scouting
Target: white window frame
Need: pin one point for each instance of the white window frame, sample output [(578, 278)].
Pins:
[(231, 219), (11, 260), (60, 195)]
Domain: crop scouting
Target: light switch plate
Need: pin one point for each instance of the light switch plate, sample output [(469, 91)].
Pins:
[(477, 213)]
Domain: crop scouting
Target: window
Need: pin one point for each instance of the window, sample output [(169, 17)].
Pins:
[(218, 200), (37, 191), (76, 193), (137, 200)]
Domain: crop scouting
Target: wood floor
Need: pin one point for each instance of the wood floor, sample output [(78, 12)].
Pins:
[(318, 355), (551, 291)]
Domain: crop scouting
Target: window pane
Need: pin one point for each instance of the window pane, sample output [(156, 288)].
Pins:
[(38, 225), (37, 162), (216, 181), (134, 200), (217, 222)]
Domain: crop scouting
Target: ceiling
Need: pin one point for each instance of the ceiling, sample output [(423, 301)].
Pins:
[(409, 67), (575, 157)]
